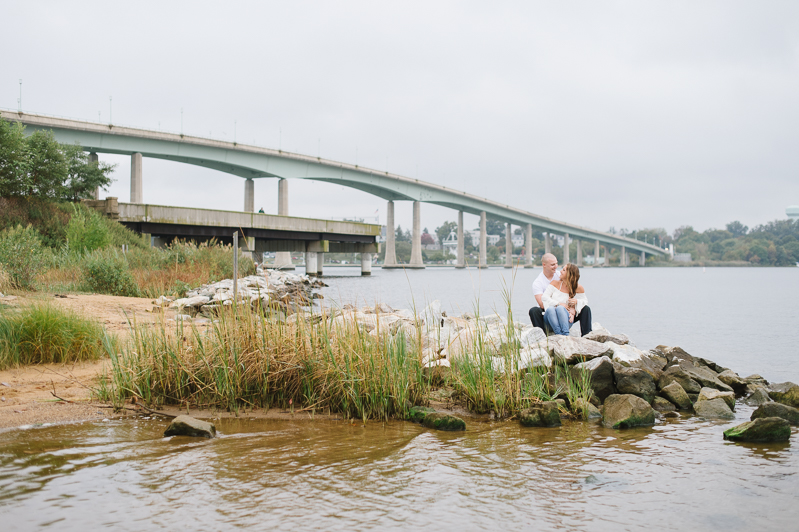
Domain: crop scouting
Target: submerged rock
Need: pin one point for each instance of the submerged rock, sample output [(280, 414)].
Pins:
[(676, 394), (544, 414), (788, 413), (636, 382), (435, 420), (763, 429), (786, 393), (708, 394), (713, 409), (601, 373), (189, 426), (626, 411)]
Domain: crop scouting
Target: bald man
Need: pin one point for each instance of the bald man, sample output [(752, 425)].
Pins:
[(549, 264)]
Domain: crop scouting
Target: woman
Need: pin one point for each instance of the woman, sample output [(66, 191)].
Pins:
[(563, 300)]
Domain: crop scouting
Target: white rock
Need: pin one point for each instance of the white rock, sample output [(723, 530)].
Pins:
[(196, 301), (625, 354)]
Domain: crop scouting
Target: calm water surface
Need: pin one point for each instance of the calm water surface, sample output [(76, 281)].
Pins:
[(334, 475)]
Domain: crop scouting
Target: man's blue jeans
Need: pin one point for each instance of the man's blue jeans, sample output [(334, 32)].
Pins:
[(558, 320)]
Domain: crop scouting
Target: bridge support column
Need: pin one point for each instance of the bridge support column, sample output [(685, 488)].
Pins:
[(623, 259), (93, 159), (249, 246), (547, 243), (416, 244), (528, 247), (579, 253), (566, 244), (461, 262), (483, 239), (310, 264), (596, 253), (320, 262), (283, 258), (390, 260), (136, 195), (642, 259), (366, 264), (249, 195), (508, 246)]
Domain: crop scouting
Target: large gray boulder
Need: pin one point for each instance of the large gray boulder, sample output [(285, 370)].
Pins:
[(574, 349), (673, 355), (731, 379), (600, 371), (713, 409), (603, 335), (189, 426), (626, 411), (758, 397), (788, 413), (763, 429), (708, 394), (705, 376), (544, 414), (678, 375), (676, 394), (636, 382), (786, 393)]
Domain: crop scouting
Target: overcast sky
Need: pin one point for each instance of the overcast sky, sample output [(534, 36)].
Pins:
[(625, 114)]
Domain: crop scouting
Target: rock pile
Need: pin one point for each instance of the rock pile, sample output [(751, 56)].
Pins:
[(269, 290)]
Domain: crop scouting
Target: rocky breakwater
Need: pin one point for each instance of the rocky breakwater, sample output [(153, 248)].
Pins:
[(270, 291)]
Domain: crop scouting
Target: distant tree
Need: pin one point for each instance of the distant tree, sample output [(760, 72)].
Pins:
[(402, 236), (427, 239), (494, 227), (737, 228), (443, 231)]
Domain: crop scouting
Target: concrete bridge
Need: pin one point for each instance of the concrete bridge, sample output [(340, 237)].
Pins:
[(252, 162)]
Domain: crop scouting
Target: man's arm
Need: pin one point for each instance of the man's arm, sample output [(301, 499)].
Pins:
[(539, 298)]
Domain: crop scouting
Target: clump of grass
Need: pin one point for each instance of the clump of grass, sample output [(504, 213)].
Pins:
[(247, 360), (46, 334)]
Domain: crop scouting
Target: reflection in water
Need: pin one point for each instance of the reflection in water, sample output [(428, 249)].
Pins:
[(678, 475)]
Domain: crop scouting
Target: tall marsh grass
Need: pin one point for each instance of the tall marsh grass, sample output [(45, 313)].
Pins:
[(46, 334), (248, 360)]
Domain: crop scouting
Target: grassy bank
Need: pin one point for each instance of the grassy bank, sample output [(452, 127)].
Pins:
[(66, 247), (45, 334), (319, 365)]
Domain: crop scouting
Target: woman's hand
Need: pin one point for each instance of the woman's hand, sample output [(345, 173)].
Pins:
[(572, 302)]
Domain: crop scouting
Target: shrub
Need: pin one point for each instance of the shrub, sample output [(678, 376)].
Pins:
[(109, 274), (21, 255), (5, 280), (87, 231), (45, 334)]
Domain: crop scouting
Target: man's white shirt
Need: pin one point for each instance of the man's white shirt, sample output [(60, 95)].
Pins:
[(541, 282)]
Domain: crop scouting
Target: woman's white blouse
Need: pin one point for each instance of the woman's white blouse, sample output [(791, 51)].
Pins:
[(553, 297)]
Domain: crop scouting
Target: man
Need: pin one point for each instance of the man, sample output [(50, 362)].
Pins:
[(550, 273)]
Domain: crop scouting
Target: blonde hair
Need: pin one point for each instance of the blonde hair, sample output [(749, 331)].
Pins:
[(570, 277)]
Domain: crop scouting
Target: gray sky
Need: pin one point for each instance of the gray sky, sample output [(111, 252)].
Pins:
[(625, 114)]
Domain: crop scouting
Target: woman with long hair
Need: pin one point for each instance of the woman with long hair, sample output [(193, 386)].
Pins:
[(563, 300)]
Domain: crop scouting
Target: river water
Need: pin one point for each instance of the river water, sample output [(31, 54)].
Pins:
[(336, 475)]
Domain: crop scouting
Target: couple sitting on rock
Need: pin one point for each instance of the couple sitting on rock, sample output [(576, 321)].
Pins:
[(561, 299)]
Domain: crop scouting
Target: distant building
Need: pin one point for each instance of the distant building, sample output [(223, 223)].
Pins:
[(450, 244), (518, 240), (793, 212), (682, 257)]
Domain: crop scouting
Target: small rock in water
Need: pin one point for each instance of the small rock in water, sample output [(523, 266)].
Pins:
[(189, 426), (622, 411), (585, 409), (788, 413), (544, 414), (786, 393), (759, 397), (675, 393), (713, 409), (708, 394), (435, 420), (763, 429)]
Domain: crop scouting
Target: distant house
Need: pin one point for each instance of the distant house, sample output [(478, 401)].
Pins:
[(450, 244), (517, 240), (682, 257)]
